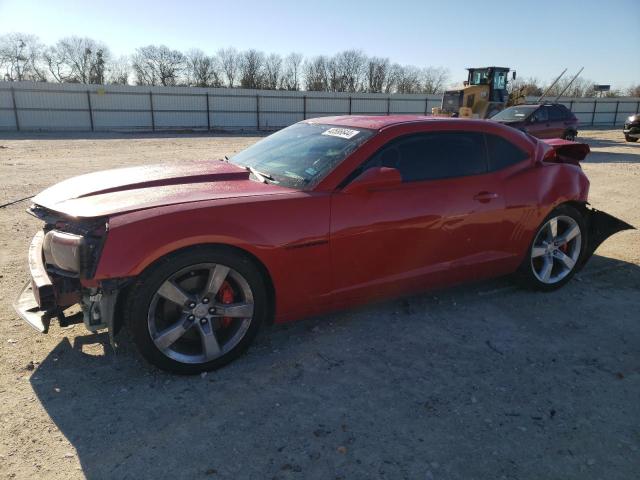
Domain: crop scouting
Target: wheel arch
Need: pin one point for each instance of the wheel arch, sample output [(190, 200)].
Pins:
[(262, 268)]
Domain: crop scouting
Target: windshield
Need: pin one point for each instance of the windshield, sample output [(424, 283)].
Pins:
[(514, 114), (301, 155)]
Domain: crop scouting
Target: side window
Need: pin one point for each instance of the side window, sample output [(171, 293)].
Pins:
[(541, 114), (566, 113), (555, 114), (503, 153), (433, 156)]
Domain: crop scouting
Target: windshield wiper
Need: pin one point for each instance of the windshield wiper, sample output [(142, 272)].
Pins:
[(263, 177)]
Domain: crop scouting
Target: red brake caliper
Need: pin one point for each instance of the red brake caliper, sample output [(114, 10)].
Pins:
[(226, 296)]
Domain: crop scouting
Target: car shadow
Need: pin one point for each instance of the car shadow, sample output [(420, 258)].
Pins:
[(612, 157), (387, 390)]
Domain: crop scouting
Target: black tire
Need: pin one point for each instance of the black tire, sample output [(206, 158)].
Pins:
[(527, 273), (630, 139), (143, 290), (570, 135)]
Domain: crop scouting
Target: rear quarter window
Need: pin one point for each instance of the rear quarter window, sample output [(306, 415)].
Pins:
[(565, 111), (503, 153)]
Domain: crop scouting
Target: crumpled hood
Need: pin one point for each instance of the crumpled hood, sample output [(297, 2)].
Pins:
[(127, 189)]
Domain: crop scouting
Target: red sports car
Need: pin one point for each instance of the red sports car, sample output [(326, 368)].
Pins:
[(325, 214)]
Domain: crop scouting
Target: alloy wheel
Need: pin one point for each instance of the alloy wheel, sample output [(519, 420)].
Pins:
[(200, 313), (556, 249)]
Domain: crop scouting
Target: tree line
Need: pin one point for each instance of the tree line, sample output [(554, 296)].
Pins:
[(88, 61), (85, 60)]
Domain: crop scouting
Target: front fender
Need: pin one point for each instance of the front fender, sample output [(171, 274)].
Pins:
[(287, 235)]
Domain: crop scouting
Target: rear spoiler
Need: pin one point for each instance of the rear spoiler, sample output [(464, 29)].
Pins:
[(564, 151)]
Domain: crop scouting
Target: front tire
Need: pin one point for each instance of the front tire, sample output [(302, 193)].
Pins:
[(557, 249), (197, 310), (570, 135)]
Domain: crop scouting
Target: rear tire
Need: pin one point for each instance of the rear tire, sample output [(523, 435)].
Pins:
[(630, 139), (181, 328), (556, 251), (570, 135)]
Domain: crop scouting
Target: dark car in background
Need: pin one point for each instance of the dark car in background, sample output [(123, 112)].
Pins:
[(551, 120), (632, 128)]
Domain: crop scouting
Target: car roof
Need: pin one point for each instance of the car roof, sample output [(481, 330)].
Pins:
[(536, 105), (525, 105), (378, 122)]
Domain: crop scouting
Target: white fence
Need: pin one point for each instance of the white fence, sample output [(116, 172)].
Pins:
[(28, 106)]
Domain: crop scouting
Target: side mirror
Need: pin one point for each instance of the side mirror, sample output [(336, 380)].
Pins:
[(374, 178), (532, 119)]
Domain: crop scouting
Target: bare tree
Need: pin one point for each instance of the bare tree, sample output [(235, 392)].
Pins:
[(78, 60), (434, 79), (230, 62), (251, 69), (391, 81), (56, 62), (272, 71), (521, 88), (291, 75), (349, 66), (97, 68), (202, 70), (634, 91), (316, 74), (376, 74), (157, 65), (20, 55), (118, 71), (334, 76), (408, 79), (579, 88)]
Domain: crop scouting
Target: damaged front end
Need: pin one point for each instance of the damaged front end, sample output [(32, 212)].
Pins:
[(62, 262)]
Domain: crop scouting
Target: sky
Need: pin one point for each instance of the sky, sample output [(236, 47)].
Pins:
[(537, 38)]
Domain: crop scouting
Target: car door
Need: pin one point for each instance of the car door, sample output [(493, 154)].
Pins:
[(539, 125), (442, 224), (556, 121)]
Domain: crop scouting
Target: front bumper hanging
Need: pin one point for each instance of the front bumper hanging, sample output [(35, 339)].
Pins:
[(26, 306), (43, 298), (36, 301)]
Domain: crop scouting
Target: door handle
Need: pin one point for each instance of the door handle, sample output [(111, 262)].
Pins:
[(485, 197)]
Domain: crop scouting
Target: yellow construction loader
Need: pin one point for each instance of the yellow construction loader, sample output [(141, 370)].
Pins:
[(484, 94)]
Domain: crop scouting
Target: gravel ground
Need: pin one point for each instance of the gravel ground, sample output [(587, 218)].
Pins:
[(484, 381)]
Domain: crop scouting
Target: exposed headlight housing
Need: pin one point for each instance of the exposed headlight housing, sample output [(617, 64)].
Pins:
[(64, 250)]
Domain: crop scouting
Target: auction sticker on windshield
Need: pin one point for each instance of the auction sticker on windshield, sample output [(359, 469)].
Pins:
[(341, 132)]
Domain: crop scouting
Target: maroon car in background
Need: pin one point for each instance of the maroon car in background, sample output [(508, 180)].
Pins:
[(551, 120)]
